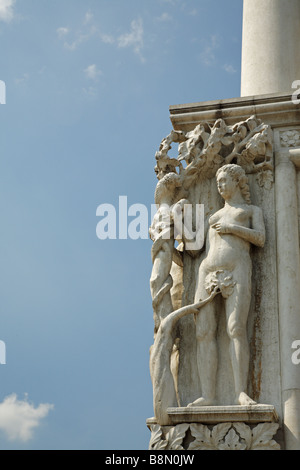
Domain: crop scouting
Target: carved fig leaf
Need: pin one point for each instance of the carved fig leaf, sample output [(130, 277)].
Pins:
[(175, 437), (157, 442), (203, 440)]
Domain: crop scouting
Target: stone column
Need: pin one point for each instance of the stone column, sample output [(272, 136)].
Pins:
[(288, 262), (271, 52)]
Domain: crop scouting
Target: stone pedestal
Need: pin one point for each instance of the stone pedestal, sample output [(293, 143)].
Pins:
[(274, 316)]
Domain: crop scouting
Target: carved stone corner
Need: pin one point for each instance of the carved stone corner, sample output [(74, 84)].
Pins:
[(217, 428)]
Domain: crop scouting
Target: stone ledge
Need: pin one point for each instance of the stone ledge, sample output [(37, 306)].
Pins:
[(277, 110), (221, 414), (224, 414)]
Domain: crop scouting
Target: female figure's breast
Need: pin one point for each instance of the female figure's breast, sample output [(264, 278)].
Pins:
[(225, 251)]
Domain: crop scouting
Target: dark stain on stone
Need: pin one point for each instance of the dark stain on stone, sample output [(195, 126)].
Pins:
[(256, 347)]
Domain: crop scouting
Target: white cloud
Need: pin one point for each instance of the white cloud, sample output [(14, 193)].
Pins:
[(91, 92), (88, 17), (92, 72), (193, 12), (135, 38), (107, 38), (164, 17), (19, 418), (62, 32), (23, 79), (7, 10), (87, 30), (79, 39), (229, 68), (208, 54)]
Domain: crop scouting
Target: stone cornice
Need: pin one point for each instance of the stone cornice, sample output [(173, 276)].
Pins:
[(274, 109)]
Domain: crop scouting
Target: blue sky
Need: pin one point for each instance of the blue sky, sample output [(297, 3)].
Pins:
[(88, 87)]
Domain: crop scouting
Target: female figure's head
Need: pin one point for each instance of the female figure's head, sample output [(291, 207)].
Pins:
[(231, 178)]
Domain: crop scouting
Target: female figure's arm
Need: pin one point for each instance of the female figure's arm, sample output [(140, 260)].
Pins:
[(255, 235)]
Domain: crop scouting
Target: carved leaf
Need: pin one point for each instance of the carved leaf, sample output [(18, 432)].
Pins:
[(232, 442), (271, 445), (265, 179), (262, 437), (219, 432), (245, 433), (203, 440), (175, 437), (156, 441), (206, 148), (227, 140)]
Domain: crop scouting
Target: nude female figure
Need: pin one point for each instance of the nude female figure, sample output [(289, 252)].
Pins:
[(231, 232)]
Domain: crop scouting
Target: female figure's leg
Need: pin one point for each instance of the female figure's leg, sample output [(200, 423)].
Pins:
[(207, 354), (237, 309)]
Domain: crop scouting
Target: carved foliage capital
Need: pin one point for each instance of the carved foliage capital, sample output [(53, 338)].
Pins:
[(202, 151), (224, 436)]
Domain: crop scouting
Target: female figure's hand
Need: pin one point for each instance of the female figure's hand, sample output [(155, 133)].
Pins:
[(222, 228)]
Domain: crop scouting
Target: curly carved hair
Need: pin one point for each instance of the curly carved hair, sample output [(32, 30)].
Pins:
[(238, 174), (169, 184)]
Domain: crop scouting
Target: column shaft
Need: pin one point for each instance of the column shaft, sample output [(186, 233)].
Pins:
[(271, 52), (288, 262)]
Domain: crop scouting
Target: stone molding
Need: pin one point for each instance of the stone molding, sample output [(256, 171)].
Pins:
[(217, 428), (223, 436), (221, 414), (273, 109)]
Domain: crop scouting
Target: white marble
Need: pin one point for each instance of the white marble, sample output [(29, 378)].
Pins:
[(222, 414), (187, 351), (288, 259), (270, 51), (236, 435), (231, 232)]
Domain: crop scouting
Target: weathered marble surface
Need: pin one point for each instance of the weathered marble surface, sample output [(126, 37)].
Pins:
[(274, 320), (217, 428), (211, 168), (271, 54)]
